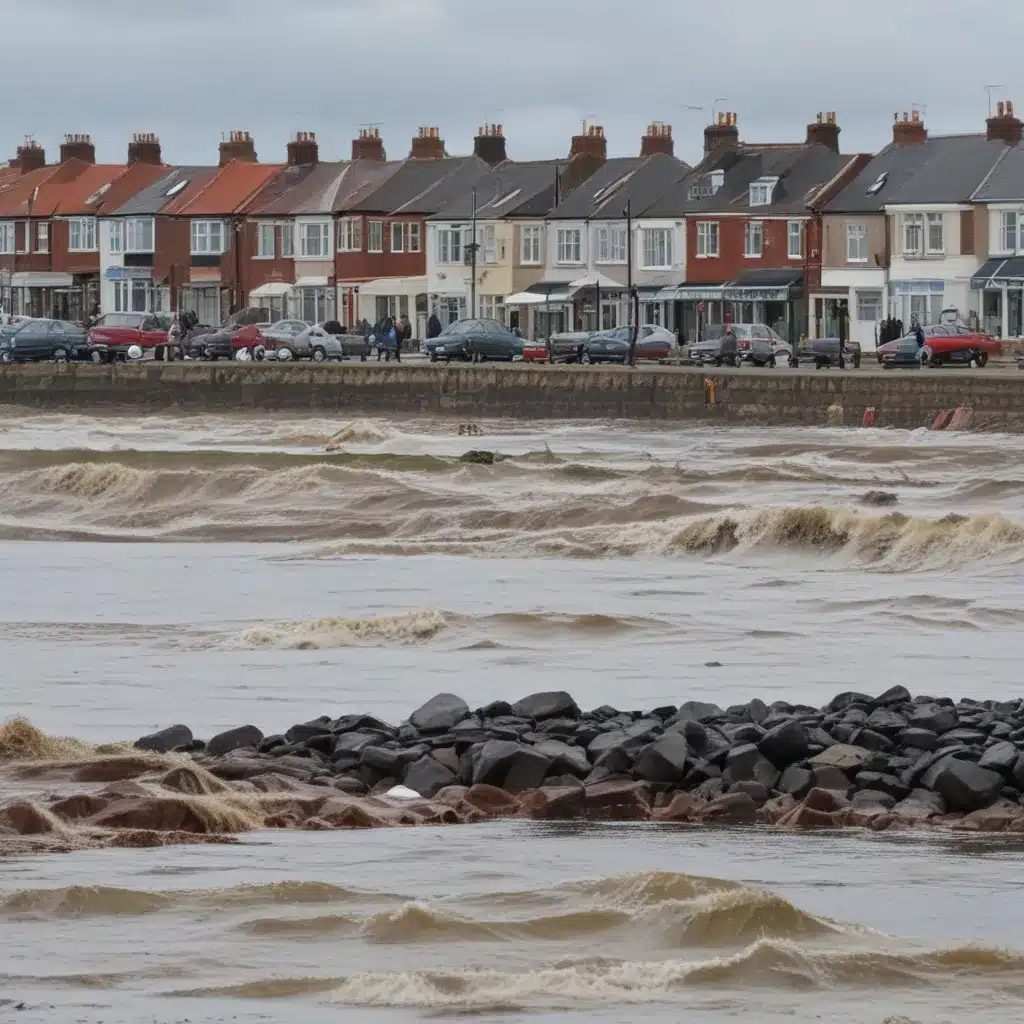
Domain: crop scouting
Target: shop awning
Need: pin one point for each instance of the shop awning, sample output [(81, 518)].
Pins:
[(271, 290), (691, 293), (606, 284), (542, 294), (395, 286), (998, 273), (311, 282), (769, 285), (41, 279)]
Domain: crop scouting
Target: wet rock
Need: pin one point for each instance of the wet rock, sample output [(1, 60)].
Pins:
[(271, 743), (511, 766), (308, 730), (746, 733), (886, 721), (965, 736), (729, 808), (844, 700), (1000, 757), (826, 800), (919, 739), (883, 783), (492, 801), (681, 807), (696, 711), (796, 781), (1002, 816), (664, 760), (879, 499), (617, 801), (554, 803), (785, 744), (564, 758), (428, 776), (870, 799), (830, 778), (746, 764), (842, 756), (757, 791), (617, 761), (383, 760), (164, 741), (935, 718), (234, 739), (539, 706), (440, 714), (962, 785), (894, 695)]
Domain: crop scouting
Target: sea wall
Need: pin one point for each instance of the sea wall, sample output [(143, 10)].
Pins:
[(789, 397)]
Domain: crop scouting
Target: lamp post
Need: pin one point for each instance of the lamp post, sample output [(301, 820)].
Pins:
[(628, 214), (472, 263)]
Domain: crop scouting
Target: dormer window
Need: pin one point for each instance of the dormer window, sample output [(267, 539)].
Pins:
[(708, 185), (717, 180), (761, 191), (878, 184)]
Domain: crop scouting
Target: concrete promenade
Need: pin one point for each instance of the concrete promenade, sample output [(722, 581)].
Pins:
[(900, 398)]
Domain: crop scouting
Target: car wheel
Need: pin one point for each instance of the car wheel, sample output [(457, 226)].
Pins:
[(818, 364), (285, 354), (243, 355), (981, 359), (362, 358), (60, 356), (586, 359), (319, 355), (448, 360), (6, 358), (259, 353), (96, 356)]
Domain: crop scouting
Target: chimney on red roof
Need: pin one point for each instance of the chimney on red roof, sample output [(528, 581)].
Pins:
[(77, 147), (908, 130), (303, 150), (369, 145), (657, 140), (1004, 126), (724, 133), (587, 154), (824, 131), (237, 146), (489, 144), (31, 156), (144, 149), (427, 144)]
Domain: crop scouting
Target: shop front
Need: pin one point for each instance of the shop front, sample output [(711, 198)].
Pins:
[(273, 297), (917, 301), (40, 293), (543, 309), (999, 290), (313, 300)]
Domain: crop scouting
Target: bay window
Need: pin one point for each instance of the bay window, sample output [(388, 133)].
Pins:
[(657, 247), (315, 240)]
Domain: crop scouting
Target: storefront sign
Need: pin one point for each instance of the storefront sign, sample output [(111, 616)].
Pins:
[(755, 294)]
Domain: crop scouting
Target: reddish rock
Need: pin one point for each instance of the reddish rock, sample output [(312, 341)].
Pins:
[(776, 808), (728, 809), (451, 796), (493, 802), (942, 419), (553, 803), (25, 818), (997, 818), (962, 419), (920, 806), (681, 807), (803, 816), (826, 800), (317, 825), (342, 813), (175, 814), (617, 801)]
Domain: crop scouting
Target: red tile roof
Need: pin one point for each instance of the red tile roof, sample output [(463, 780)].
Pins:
[(71, 197), (232, 187), (16, 193), (196, 184)]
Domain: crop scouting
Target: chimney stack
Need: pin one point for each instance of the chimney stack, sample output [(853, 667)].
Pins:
[(303, 150), (657, 140), (824, 131), (31, 156), (237, 146), (724, 133), (489, 144), (77, 147), (369, 145), (1005, 126), (587, 155), (908, 130), (427, 144), (144, 149)]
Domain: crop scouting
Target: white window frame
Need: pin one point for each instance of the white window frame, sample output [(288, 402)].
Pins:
[(913, 234), (612, 245), (288, 241), (656, 248), (931, 221), (856, 243), (414, 236), (796, 231), (707, 239), (315, 240), (85, 229), (375, 236), (754, 229), (139, 235), (876, 294), (761, 193), (7, 236), (1010, 221), (530, 246), (569, 247), (116, 236), (207, 238), (43, 236), (350, 234), (492, 307), (266, 233), (450, 245)]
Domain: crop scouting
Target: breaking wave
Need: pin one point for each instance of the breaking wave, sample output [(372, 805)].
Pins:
[(323, 634)]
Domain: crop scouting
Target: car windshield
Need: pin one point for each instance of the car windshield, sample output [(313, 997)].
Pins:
[(121, 319)]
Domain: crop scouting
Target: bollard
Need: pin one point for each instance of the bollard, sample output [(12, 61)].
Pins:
[(869, 417), (709, 391)]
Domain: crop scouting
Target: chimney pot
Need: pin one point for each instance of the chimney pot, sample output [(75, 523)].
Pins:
[(144, 149), (824, 131), (78, 147), (657, 140), (909, 131), (238, 145), (427, 145), (1004, 126), (303, 150), (489, 144), (31, 156), (721, 134), (368, 145)]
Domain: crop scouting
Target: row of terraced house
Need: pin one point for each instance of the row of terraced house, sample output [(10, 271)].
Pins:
[(796, 235)]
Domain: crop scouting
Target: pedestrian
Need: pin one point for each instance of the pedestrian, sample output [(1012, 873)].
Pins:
[(399, 330), (433, 326), (173, 338)]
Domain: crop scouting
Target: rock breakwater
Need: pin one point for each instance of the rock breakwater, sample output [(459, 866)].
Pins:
[(881, 762)]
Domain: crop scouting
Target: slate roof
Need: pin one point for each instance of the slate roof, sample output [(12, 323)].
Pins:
[(506, 190), (422, 186), (153, 199), (638, 180), (325, 188), (802, 170), (1005, 181), (942, 169)]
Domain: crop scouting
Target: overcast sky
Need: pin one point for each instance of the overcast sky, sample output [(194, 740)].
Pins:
[(190, 70)]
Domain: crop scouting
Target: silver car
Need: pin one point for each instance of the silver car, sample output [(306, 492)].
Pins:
[(320, 345)]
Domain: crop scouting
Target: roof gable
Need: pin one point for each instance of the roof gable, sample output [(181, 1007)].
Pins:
[(230, 189)]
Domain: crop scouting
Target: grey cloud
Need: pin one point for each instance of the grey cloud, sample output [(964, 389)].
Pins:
[(192, 69)]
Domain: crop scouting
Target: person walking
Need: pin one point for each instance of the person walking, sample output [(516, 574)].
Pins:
[(433, 326), (399, 330)]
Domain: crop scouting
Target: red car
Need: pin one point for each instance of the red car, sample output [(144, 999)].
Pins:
[(114, 333), (535, 352), (947, 343)]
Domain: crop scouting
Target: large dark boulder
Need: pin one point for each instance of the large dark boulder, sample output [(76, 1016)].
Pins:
[(234, 739), (919, 739), (664, 760), (797, 781), (164, 741), (696, 711), (1000, 757), (786, 744), (538, 706), (934, 717), (963, 785), (428, 776), (510, 766), (440, 714), (745, 763), (307, 730), (844, 700), (894, 695), (565, 759)]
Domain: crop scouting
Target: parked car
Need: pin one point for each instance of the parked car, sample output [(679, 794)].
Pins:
[(653, 342), (755, 343), (719, 348), (36, 340), (568, 346), (948, 343), (114, 333), (319, 344), (536, 352), (476, 341), (830, 352), (283, 331), (904, 353), (224, 343)]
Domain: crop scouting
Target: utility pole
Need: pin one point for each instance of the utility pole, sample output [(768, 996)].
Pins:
[(472, 251), (989, 89), (628, 213)]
